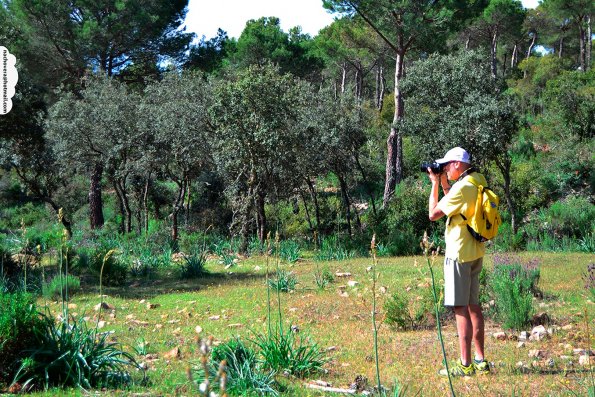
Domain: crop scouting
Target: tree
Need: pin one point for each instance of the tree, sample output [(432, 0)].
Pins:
[(580, 12), (174, 132), (209, 56), (455, 102), (96, 133), (402, 25), (256, 143)]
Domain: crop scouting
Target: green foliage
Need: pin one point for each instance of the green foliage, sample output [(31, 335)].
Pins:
[(323, 278), (70, 354), (18, 322), (514, 283), (61, 287), (113, 271), (245, 375), (289, 251), (407, 312), (333, 249), (283, 281), (289, 351), (194, 265), (589, 278)]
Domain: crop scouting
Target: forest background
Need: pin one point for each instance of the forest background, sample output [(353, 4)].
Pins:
[(124, 124)]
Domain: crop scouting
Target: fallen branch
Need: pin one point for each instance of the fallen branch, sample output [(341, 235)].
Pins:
[(330, 389)]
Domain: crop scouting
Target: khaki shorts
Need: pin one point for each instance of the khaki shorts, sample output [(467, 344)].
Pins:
[(461, 282)]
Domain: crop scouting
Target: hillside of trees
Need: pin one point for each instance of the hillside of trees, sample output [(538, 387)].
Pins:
[(123, 123)]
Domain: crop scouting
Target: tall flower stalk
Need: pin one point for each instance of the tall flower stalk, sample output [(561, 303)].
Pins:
[(427, 249), (267, 283), (375, 326)]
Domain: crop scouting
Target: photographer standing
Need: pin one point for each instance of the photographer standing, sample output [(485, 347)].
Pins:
[(463, 256)]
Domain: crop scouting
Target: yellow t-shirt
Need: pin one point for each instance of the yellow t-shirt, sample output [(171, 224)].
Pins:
[(461, 199)]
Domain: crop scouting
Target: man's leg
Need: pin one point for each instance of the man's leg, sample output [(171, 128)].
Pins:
[(465, 331), (476, 316)]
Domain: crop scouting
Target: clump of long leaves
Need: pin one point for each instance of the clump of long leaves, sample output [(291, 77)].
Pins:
[(284, 281), (331, 249), (70, 354), (289, 251), (245, 375), (195, 265), (288, 351)]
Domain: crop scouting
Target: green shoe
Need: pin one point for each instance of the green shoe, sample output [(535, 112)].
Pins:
[(459, 369), (481, 367)]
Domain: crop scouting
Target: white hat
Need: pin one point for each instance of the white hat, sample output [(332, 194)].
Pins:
[(455, 154)]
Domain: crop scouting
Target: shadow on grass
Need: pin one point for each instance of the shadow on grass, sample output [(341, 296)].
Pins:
[(147, 288)]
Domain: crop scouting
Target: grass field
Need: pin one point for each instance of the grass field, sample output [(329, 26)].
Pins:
[(163, 313)]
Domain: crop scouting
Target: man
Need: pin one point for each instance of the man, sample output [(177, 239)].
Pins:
[(463, 256)]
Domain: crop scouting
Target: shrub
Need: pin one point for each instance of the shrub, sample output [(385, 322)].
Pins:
[(331, 249), (288, 351), (58, 287), (18, 321), (323, 278), (514, 283), (114, 269), (245, 375), (412, 312), (289, 251), (70, 354), (194, 265), (284, 281)]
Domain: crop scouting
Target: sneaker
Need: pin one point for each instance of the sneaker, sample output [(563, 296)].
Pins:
[(459, 369), (481, 367)]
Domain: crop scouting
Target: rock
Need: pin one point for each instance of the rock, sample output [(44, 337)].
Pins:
[(104, 306), (585, 360), (198, 329), (383, 290), (523, 336), (345, 274), (172, 354), (214, 318), (499, 335), (235, 325), (541, 319), (100, 324), (567, 327), (151, 306), (539, 333), (520, 345), (352, 283), (535, 353), (331, 348), (408, 289)]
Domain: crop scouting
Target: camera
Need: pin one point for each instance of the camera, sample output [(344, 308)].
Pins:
[(434, 166)]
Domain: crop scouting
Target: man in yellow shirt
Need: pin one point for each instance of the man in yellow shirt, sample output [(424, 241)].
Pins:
[(463, 256)]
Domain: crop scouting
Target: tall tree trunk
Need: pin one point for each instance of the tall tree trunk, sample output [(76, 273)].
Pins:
[(343, 77), (177, 206), (493, 54), (467, 41), (174, 225), (187, 204), (346, 202), (504, 163), (380, 87), (122, 226), (513, 60), (589, 43), (560, 47), (394, 158), (121, 183), (582, 43), (529, 51), (96, 219), (315, 201), (146, 205), (308, 218)]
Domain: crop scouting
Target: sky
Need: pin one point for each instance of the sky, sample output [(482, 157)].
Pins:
[(206, 16)]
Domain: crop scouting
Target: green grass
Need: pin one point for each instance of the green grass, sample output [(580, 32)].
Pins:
[(228, 303)]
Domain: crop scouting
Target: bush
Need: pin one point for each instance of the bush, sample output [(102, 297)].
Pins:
[(412, 312), (289, 251), (18, 321), (194, 265), (59, 287), (514, 282), (245, 375), (589, 278), (114, 268), (332, 249), (290, 352), (323, 278), (284, 281), (70, 354)]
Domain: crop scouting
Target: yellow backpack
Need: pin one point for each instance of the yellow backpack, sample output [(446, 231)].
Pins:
[(483, 226)]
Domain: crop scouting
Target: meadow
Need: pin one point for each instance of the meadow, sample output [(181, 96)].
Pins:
[(156, 319)]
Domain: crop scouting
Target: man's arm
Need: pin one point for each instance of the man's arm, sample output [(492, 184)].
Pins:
[(434, 212)]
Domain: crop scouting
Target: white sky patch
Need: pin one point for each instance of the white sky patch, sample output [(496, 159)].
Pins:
[(206, 16)]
